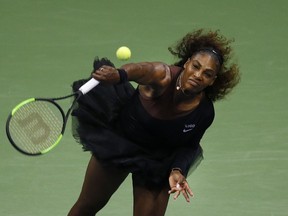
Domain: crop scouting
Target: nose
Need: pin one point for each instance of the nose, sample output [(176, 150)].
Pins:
[(197, 74)]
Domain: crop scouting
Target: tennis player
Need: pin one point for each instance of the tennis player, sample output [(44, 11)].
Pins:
[(153, 131)]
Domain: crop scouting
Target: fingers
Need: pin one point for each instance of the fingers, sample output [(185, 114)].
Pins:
[(190, 191), (106, 74), (183, 189), (186, 195), (102, 70), (176, 195)]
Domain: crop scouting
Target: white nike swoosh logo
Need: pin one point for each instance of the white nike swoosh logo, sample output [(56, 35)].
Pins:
[(186, 130)]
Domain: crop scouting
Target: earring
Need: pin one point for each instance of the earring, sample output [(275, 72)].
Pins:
[(178, 82)]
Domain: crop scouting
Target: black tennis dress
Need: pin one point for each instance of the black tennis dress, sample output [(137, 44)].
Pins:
[(112, 123)]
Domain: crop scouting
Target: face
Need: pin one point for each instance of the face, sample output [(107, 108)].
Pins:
[(200, 71)]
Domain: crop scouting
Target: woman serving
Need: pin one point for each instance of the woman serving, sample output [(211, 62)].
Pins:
[(155, 130)]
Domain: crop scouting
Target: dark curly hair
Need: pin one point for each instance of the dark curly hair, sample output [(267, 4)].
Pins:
[(228, 75)]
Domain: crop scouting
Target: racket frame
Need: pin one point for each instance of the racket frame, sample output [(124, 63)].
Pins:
[(63, 115), (85, 88)]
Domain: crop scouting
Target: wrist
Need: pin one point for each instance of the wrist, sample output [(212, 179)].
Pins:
[(123, 76), (176, 169)]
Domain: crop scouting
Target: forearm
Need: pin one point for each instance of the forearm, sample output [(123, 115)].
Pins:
[(186, 159), (153, 77)]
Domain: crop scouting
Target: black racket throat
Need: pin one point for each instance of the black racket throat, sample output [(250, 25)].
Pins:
[(76, 94)]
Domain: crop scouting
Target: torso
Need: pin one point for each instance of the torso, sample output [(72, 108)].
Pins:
[(168, 105), (157, 122)]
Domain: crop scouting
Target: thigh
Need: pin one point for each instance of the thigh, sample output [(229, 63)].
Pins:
[(99, 184), (150, 201)]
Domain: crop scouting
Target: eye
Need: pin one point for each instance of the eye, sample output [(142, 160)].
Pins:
[(208, 75), (196, 66)]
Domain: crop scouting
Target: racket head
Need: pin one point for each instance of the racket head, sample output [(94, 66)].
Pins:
[(35, 126)]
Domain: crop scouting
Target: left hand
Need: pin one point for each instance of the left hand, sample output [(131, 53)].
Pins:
[(178, 185)]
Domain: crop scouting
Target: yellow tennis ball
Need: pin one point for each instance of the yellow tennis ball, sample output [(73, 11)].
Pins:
[(123, 53)]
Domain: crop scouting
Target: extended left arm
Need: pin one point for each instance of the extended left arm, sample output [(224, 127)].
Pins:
[(184, 160)]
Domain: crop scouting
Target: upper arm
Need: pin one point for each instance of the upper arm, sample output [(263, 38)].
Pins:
[(153, 77)]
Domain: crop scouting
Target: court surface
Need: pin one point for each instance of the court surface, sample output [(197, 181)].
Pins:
[(47, 44)]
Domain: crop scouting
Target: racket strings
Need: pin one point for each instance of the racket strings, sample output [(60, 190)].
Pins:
[(36, 126)]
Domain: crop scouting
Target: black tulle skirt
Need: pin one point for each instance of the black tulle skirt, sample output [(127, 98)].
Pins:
[(94, 126)]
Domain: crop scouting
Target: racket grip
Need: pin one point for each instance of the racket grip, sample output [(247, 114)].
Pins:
[(88, 86)]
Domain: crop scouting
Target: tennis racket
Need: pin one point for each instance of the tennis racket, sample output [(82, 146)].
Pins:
[(36, 125)]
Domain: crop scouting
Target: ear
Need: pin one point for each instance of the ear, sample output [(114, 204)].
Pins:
[(185, 65)]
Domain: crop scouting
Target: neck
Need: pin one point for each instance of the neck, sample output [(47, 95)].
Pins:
[(181, 89), (182, 96)]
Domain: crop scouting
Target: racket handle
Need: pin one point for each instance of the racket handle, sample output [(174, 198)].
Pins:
[(88, 86)]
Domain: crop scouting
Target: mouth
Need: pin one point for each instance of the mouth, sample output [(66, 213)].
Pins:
[(193, 82)]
